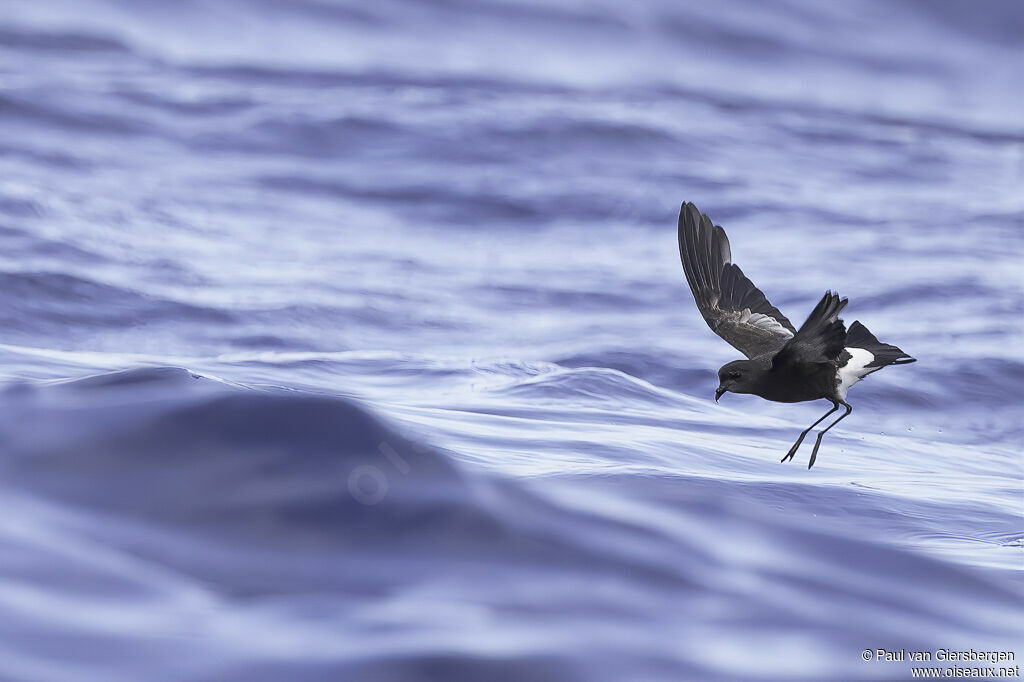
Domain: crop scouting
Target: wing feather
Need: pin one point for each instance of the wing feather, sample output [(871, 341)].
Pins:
[(821, 338), (732, 306)]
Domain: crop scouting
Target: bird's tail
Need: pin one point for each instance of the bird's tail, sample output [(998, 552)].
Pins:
[(858, 336)]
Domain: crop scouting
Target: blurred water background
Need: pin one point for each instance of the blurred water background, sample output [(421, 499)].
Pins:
[(349, 341)]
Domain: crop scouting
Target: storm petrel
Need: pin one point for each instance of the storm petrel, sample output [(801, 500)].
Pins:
[(820, 360)]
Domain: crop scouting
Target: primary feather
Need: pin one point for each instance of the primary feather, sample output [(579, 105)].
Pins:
[(731, 305)]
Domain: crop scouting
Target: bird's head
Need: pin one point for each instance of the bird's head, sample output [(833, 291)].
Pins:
[(739, 376)]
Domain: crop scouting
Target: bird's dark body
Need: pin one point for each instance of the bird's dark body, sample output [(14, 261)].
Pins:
[(797, 384), (821, 360)]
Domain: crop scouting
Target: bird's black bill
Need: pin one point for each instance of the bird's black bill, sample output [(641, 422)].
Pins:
[(718, 393)]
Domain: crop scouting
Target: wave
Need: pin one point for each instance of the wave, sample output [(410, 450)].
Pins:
[(295, 510), (29, 112), (23, 38), (45, 302), (185, 445)]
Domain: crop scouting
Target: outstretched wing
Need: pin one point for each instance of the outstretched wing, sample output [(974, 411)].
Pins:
[(732, 306), (821, 338)]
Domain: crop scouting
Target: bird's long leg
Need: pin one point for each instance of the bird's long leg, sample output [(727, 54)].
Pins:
[(796, 445), (817, 443)]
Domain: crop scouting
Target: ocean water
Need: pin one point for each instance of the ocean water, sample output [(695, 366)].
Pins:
[(349, 341)]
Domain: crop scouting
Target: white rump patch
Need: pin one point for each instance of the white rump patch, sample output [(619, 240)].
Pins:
[(766, 322), (855, 369)]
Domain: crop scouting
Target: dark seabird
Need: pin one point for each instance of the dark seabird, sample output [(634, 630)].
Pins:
[(820, 360)]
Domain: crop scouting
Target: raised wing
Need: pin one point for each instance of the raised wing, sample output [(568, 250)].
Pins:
[(821, 338), (732, 306)]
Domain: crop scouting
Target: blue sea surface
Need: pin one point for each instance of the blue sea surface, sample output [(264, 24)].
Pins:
[(349, 340)]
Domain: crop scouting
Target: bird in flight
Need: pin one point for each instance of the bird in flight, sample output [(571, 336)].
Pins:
[(821, 360)]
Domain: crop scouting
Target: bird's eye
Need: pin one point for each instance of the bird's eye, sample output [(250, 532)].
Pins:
[(734, 375)]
